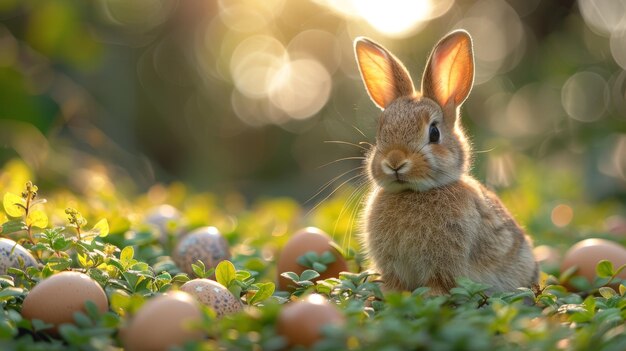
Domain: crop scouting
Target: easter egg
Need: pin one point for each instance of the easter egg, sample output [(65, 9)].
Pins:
[(586, 254), (205, 244), (161, 217), (212, 294), (55, 299), (10, 254), (301, 322), (163, 322), (303, 241)]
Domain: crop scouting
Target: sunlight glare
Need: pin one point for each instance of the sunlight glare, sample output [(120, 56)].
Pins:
[(394, 17)]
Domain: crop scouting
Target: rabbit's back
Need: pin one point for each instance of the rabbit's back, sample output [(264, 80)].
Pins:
[(431, 238)]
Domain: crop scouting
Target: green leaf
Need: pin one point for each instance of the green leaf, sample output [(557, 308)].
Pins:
[(60, 263), (622, 289), (242, 275), (82, 320), (13, 226), (607, 292), (39, 325), (198, 269), (101, 228), (8, 293), (320, 267), (7, 330), (327, 257), (225, 272), (14, 205), (290, 275), (265, 290), (309, 274), (604, 269), (127, 254)]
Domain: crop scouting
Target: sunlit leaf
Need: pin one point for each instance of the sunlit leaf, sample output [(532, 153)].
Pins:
[(101, 228), (604, 269), (14, 205), (225, 272), (127, 254), (607, 292), (37, 218), (264, 292)]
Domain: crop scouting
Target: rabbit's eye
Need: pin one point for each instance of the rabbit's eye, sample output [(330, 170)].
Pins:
[(433, 133)]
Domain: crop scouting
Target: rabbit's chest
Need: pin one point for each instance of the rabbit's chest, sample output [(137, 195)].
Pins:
[(419, 237)]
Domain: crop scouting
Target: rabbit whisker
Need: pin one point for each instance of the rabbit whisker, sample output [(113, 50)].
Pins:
[(328, 183), (345, 143), (342, 159), (347, 204), (333, 192)]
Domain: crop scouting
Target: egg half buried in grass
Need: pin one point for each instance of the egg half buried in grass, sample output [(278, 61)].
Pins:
[(10, 254), (164, 322), (301, 322), (55, 299), (213, 294), (303, 241), (205, 244), (587, 253), (161, 217)]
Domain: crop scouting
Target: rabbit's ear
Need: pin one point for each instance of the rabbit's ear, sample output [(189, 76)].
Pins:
[(384, 75), (449, 74)]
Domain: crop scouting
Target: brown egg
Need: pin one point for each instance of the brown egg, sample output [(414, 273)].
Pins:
[(9, 253), (301, 322), (212, 294), (547, 255), (55, 299), (163, 322), (205, 244), (587, 253), (304, 240)]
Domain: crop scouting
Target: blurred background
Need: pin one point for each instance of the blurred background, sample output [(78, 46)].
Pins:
[(245, 95)]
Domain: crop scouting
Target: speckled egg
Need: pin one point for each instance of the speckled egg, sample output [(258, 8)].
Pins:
[(55, 299), (160, 217), (164, 322), (205, 244), (304, 240), (9, 253), (301, 322), (213, 294), (587, 253)]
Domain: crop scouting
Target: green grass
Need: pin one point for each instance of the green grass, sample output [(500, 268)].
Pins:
[(104, 234)]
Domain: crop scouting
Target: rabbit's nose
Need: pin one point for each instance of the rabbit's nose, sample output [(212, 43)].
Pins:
[(396, 167)]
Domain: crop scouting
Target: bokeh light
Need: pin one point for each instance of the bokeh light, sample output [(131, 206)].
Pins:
[(245, 92), (562, 215), (393, 18), (585, 96)]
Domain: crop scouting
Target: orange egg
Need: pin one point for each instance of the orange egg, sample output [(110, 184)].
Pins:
[(164, 322), (587, 253), (55, 299), (301, 322), (303, 241)]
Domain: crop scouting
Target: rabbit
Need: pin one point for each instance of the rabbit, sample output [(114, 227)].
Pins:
[(426, 221)]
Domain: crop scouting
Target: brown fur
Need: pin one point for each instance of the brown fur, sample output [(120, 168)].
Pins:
[(427, 222)]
